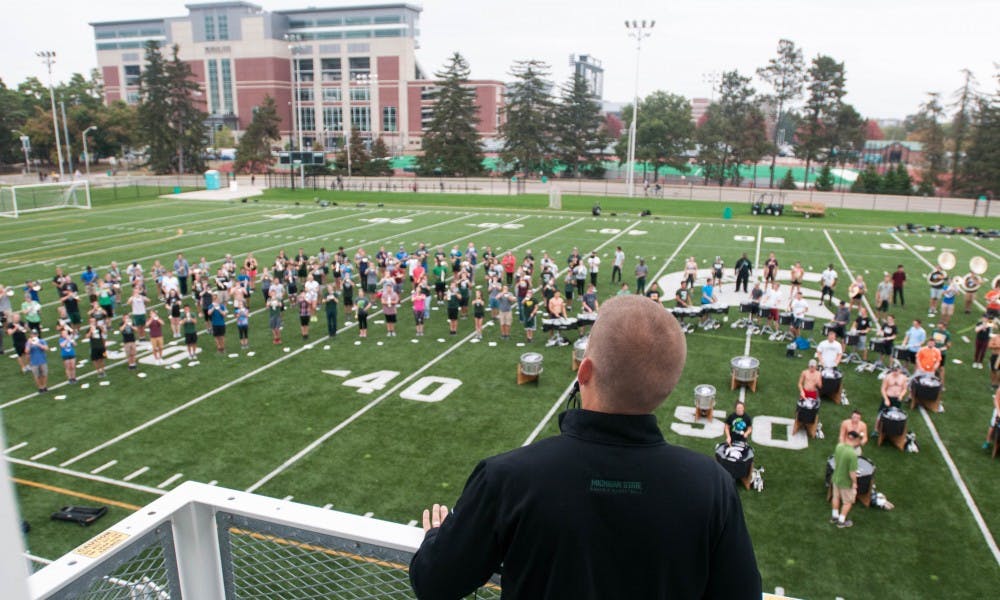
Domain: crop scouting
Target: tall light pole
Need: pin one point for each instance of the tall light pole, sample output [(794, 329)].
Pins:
[(69, 152), (712, 79), (49, 57), (637, 30), (26, 147), (86, 153)]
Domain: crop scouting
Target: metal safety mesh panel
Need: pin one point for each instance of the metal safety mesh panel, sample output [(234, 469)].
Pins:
[(145, 570), (264, 560)]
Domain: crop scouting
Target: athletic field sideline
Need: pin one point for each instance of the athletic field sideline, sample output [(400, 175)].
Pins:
[(388, 425)]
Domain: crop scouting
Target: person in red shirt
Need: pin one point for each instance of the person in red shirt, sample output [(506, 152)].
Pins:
[(509, 262), (898, 277), (993, 301)]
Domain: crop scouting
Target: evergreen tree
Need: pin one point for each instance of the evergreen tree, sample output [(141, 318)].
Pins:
[(826, 84), (784, 74), (904, 183), (358, 165), (731, 130), (788, 181), (169, 122), (965, 102), (578, 130), (868, 181), (380, 163), (931, 135), (527, 129), (982, 162), (666, 133), (824, 183), (887, 182), (254, 152), (451, 143)]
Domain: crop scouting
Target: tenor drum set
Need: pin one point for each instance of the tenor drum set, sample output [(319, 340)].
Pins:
[(704, 401), (559, 325), (529, 367), (806, 416), (579, 351), (891, 427), (831, 384), (925, 389)]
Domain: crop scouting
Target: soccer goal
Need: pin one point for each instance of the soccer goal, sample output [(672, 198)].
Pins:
[(18, 199)]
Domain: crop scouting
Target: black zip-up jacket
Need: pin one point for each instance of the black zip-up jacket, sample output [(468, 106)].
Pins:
[(605, 510)]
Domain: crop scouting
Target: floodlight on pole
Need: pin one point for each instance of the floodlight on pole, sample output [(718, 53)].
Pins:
[(49, 58), (637, 30), (86, 152)]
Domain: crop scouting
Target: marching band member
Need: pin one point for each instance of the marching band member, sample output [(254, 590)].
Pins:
[(937, 279), (829, 279)]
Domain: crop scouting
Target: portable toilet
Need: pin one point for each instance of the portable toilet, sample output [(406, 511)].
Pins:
[(212, 180)]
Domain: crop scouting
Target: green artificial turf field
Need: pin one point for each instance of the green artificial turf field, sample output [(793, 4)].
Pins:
[(390, 425)]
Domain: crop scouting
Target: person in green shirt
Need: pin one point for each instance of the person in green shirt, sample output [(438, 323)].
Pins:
[(32, 312), (189, 327), (361, 306), (845, 479), (454, 304), (440, 277)]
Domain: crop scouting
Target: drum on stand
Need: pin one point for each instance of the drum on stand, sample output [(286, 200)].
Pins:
[(744, 371), (866, 478), (704, 400), (877, 345), (579, 351), (807, 411), (851, 339), (831, 383), (808, 323), (586, 318), (785, 318), (736, 459), (901, 354), (925, 389), (892, 422), (719, 308), (529, 367)]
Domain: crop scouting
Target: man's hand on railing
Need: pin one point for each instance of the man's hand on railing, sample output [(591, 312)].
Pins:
[(434, 516)]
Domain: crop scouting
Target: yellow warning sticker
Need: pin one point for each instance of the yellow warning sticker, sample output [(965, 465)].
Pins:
[(101, 544)]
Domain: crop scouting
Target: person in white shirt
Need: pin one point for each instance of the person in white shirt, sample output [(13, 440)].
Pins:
[(799, 308), (593, 265), (170, 282), (829, 279), (772, 301), (829, 351), (616, 268)]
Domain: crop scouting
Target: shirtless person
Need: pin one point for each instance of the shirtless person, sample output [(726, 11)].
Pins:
[(855, 424), (810, 381), (797, 273), (894, 388)]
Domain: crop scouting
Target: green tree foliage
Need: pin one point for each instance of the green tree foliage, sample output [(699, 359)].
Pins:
[(380, 164), (788, 181), (451, 144), (965, 103), (579, 137), (169, 122), (13, 114), (224, 137), (784, 74), (981, 172), (359, 156), (254, 152), (931, 135), (868, 181), (826, 89), (824, 183), (527, 129), (666, 132), (733, 130)]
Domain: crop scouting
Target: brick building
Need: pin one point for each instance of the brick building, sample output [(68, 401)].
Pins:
[(331, 71)]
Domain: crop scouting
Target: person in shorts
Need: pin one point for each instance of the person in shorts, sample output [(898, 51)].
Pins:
[(129, 332), (243, 325), (505, 307), (155, 325), (361, 306), (419, 307), (454, 301), (38, 362), (97, 333), (390, 308), (529, 308), (275, 306), (305, 313), (67, 351), (844, 481), (217, 316), (18, 333)]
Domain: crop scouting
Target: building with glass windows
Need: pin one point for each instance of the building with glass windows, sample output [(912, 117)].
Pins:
[(331, 71)]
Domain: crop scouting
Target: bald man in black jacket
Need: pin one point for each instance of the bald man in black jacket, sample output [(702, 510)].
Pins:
[(606, 509)]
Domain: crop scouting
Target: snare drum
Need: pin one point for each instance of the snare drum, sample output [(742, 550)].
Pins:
[(736, 459), (808, 323), (586, 318), (926, 388), (866, 474), (531, 363), (852, 339), (893, 421), (807, 410), (580, 348), (719, 308), (901, 354), (749, 307), (877, 345), (830, 383), (786, 318)]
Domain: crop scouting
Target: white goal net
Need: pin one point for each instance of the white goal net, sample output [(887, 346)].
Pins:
[(18, 199)]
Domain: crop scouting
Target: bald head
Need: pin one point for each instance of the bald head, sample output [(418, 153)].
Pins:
[(634, 357)]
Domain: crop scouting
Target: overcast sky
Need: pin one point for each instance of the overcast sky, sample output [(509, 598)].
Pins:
[(895, 50)]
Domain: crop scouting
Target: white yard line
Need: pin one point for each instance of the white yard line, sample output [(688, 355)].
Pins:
[(84, 475), (974, 244), (229, 384), (104, 467), (135, 474), (746, 345), (37, 559), (15, 447), (674, 255), (545, 420), (955, 475), (929, 264), (323, 438), (966, 495), (170, 480), (44, 453)]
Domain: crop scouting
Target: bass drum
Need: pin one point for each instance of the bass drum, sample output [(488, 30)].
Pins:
[(893, 421), (866, 474), (831, 381), (807, 411), (736, 459)]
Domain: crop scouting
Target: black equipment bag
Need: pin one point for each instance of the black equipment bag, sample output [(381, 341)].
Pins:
[(83, 515)]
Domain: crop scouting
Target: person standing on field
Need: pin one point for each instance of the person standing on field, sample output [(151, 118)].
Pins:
[(844, 481)]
